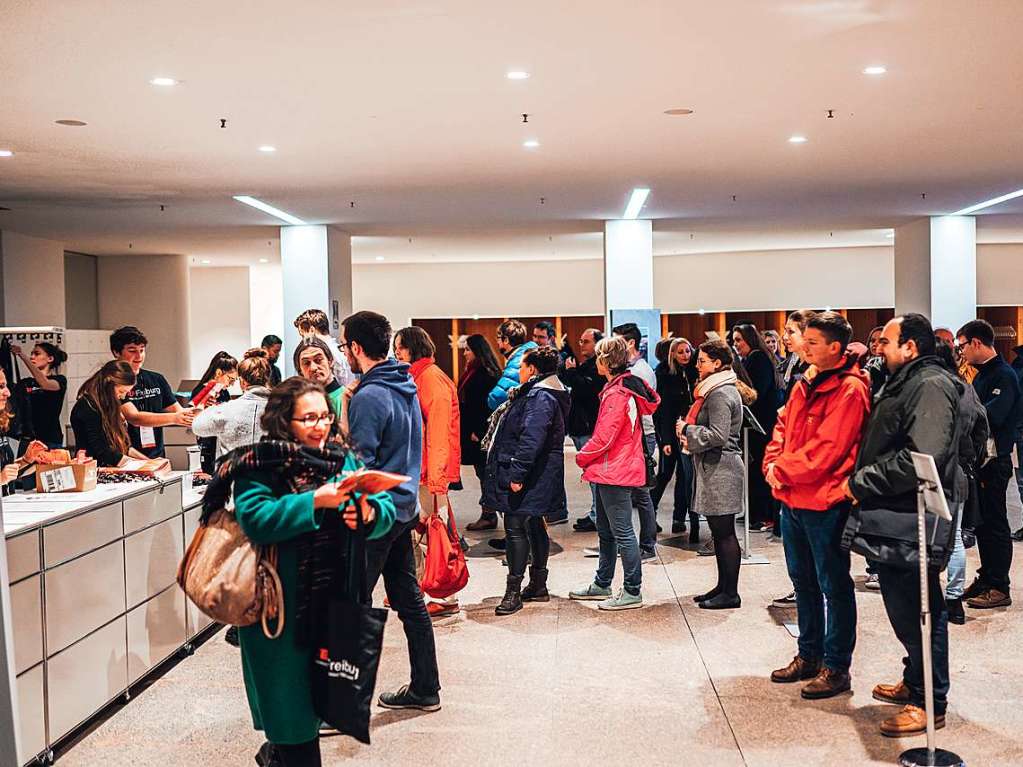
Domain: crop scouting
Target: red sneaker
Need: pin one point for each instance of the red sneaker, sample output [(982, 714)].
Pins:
[(440, 609)]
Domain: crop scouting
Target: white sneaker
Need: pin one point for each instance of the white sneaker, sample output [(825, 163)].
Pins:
[(873, 582), (591, 552)]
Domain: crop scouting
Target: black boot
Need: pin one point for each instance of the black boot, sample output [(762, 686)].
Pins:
[(536, 589), (267, 756), (512, 601), (956, 613)]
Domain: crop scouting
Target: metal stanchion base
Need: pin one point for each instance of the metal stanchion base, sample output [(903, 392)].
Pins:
[(921, 757), (754, 559)]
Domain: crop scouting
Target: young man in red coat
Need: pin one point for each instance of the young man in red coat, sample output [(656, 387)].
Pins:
[(812, 454)]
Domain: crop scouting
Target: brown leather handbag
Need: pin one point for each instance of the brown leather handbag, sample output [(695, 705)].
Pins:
[(231, 579)]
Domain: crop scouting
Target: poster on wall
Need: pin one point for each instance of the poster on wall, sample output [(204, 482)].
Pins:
[(649, 323)]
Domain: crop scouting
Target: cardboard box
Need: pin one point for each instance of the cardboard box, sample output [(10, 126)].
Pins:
[(66, 478)]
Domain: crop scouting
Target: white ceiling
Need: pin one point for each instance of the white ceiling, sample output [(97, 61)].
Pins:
[(403, 108)]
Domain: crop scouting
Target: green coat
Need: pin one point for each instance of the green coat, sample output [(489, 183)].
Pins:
[(276, 671)]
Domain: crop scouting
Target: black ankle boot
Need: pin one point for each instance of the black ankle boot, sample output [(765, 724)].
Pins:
[(267, 756), (512, 601), (536, 589)]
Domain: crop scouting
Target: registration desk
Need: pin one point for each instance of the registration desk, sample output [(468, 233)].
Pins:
[(95, 605)]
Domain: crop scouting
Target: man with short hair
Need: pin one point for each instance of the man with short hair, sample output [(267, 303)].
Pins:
[(997, 386), (385, 424), (545, 334), (314, 361), (313, 323), (884, 478), (812, 453), (639, 367), (585, 385), (272, 344), (511, 342), (151, 404)]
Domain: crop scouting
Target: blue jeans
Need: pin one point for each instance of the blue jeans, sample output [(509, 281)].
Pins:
[(819, 570), (579, 442), (645, 506), (617, 536), (957, 565)]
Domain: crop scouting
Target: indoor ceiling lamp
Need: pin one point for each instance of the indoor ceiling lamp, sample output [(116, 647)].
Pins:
[(275, 212), (636, 202), (531, 143), (875, 70), (989, 203), (797, 139), (517, 74), (163, 82), (6, 153)]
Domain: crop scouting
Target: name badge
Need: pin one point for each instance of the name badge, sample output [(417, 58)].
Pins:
[(147, 436)]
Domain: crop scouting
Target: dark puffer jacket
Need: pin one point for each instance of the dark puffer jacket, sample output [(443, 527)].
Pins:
[(529, 448)]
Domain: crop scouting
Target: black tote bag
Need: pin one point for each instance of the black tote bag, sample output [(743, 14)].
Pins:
[(345, 667)]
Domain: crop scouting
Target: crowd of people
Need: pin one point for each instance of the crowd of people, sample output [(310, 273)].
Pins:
[(829, 428)]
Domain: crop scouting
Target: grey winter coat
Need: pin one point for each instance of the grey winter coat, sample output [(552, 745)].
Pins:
[(714, 443), (235, 423)]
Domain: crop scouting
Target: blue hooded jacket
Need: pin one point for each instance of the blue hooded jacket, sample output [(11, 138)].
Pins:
[(510, 377), (385, 425)]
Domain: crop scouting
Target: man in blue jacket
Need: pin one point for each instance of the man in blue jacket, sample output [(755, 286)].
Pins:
[(511, 342), (385, 425), (998, 388)]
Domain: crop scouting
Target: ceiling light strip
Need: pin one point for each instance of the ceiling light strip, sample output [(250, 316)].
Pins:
[(989, 203), (275, 212), (636, 202)]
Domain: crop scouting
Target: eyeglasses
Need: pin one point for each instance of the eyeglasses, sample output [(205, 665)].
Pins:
[(312, 419)]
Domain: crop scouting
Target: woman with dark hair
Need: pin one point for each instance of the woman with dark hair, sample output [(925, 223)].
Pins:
[(223, 370), (235, 423), (759, 364), (525, 473), (711, 434), (477, 380), (96, 419), (676, 376), (8, 468), (286, 495), (41, 396)]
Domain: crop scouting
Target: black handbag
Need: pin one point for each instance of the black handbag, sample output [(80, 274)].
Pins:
[(651, 467), (345, 667), (891, 538)]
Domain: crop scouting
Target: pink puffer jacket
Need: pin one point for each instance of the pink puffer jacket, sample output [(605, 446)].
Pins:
[(614, 454)]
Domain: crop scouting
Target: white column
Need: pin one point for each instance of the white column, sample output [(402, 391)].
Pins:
[(936, 269), (628, 265), (316, 273)]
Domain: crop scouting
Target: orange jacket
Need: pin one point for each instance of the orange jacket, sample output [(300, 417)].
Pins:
[(817, 436), (442, 450)]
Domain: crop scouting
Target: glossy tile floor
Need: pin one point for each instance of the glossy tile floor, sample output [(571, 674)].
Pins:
[(561, 683)]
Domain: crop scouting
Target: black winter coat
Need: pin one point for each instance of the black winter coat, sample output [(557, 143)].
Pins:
[(529, 448), (915, 412), (473, 412), (997, 387), (676, 393), (586, 384), (762, 373)]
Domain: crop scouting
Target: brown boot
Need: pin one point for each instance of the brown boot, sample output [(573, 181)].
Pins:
[(827, 684), (798, 670), (485, 522), (911, 720), (892, 693), (990, 598)]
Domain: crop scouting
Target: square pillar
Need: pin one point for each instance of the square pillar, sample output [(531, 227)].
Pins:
[(936, 269)]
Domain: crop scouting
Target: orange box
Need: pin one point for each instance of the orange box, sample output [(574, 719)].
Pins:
[(66, 477)]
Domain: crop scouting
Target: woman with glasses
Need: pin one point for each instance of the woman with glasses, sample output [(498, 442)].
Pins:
[(286, 495), (223, 371)]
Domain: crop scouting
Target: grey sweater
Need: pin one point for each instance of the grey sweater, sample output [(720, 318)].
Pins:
[(235, 423)]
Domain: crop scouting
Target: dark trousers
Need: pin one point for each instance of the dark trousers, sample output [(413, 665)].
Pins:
[(994, 539), (643, 503), (481, 469), (761, 506), (525, 535), (825, 595), (900, 590), (679, 465), (392, 557)]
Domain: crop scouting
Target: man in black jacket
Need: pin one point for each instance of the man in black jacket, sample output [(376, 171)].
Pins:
[(998, 388), (1017, 365), (585, 384), (915, 412)]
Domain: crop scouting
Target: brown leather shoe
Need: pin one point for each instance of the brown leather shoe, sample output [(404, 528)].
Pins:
[(990, 598), (827, 684), (483, 523), (892, 693), (911, 720), (797, 671)]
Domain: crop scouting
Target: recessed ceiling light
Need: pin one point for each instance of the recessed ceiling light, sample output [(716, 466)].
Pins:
[(275, 212), (163, 82), (989, 203), (71, 123), (876, 70), (797, 139), (205, 261), (890, 235), (678, 111), (380, 258), (531, 143), (6, 153), (702, 312), (267, 149), (264, 260), (517, 74), (636, 202)]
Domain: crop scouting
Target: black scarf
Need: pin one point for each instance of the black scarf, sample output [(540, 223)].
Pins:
[(299, 469)]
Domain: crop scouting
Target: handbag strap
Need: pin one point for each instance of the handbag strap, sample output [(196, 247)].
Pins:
[(356, 586)]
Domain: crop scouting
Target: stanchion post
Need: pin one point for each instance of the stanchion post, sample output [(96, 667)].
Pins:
[(747, 554)]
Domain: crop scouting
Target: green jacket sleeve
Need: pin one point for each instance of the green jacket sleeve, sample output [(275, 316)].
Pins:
[(268, 518)]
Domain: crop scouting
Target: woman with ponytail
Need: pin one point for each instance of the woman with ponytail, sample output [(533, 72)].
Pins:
[(237, 422), (40, 398)]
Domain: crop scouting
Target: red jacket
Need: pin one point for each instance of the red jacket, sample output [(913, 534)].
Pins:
[(817, 436), (614, 454), (442, 448)]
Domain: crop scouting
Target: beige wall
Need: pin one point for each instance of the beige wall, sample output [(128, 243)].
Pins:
[(1000, 275), (219, 314), (150, 292), (33, 280)]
